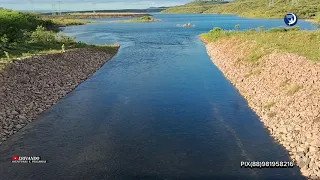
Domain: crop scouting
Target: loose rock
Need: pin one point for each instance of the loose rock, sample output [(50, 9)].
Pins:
[(285, 94), (30, 86), (18, 126)]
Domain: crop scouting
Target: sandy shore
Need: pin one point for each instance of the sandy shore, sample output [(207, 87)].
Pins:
[(284, 90), (30, 86)]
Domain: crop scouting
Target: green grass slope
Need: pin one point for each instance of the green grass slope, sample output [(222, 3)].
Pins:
[(262, 8), (309, 9), (196, 7), (317, 18), (263, 42)]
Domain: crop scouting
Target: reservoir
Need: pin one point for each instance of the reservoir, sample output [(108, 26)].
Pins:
[(160, 109)]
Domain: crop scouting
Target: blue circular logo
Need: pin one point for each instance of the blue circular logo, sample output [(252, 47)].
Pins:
[(290, 19)]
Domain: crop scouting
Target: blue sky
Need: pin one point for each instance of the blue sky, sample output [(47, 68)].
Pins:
[(87, 4)]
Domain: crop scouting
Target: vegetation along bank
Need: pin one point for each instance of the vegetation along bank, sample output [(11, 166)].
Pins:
[(280, 78), (88, 15), (38, 67), (306, 9), (141, 19)]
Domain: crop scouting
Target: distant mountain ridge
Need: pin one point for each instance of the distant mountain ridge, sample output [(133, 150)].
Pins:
[(196, 7), (148, 10)]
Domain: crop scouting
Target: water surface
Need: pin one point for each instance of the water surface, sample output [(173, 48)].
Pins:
[(158, 110)]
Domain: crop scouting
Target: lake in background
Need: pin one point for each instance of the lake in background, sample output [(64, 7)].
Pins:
[(160, 109)]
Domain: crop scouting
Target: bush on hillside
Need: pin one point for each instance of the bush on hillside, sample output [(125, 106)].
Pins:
[(42, 36), (26, 32), (15, 24)]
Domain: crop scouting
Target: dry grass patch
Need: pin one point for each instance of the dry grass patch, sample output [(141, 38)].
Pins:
[(269, 105), (285, 83), (293, 89), (271, 114), (255, 72)]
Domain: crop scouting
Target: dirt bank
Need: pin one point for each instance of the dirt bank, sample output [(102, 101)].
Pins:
[(30, 86), (284, 90)]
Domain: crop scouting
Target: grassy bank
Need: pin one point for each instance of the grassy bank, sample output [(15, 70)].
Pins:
[(63, 21), (141, 19), (281, 88), (260, 42), (308, 9), (25, 34), (316, 20)]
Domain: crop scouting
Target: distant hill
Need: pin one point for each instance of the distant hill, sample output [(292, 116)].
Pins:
[(196, 7), (253, 8), (148, 10), (263, 8)]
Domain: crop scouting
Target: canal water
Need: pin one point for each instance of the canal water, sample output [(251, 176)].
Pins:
[(160, 109)]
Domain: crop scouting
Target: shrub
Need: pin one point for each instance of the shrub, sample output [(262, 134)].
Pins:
[(214, 34), (14, 24), (252, 30), (7, 54), (146, 18), (237, 27), (40, 35), (261, 28), (216, 29), (63, 48), (3, 41), (61, 38)]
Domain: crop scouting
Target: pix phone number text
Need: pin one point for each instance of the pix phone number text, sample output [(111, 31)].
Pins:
[(266, 164)]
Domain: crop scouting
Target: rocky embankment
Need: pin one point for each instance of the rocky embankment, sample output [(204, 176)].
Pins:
[(30, 86), (284, 90)]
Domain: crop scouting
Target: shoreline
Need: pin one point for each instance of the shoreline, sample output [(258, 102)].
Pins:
[(248, 17), (30, 86), (283, 89), (95, 15), (138, 20)]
